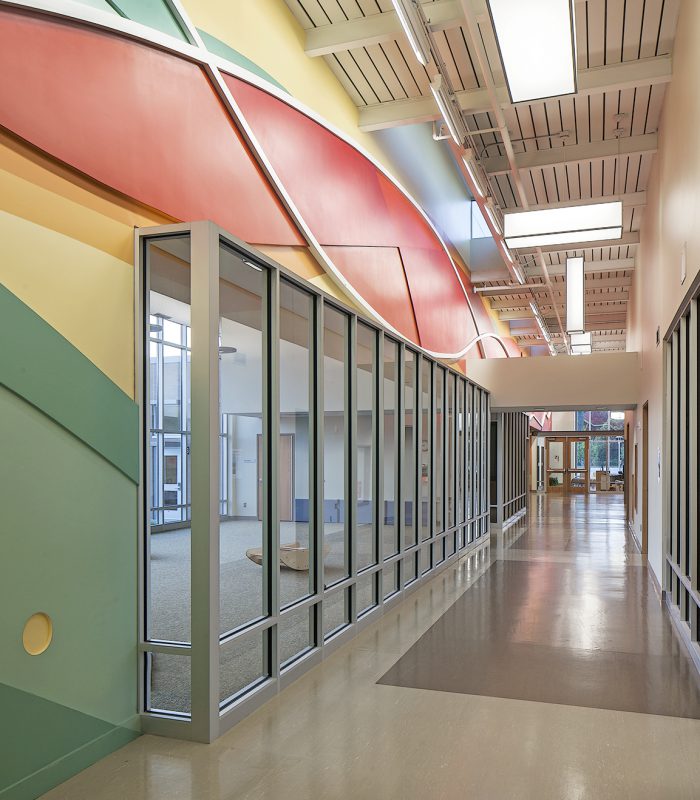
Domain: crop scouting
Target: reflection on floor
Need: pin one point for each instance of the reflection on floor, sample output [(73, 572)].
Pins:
[(583, 632), (524, 637)]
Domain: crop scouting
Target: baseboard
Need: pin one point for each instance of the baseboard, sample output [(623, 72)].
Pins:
[(655, 583), (683, 631), (67, 766)]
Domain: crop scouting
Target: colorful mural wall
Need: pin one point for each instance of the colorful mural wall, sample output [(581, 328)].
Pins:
[(103, 129)]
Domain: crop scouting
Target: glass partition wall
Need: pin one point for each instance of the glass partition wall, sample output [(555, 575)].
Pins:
[(303, 469)]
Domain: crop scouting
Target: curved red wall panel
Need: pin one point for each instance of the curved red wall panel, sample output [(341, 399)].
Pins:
[(347, 201), (139, 120), (150, 125)]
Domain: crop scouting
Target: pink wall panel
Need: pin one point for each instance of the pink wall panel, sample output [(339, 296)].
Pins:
[(443, 316), (335, 188), (150, 125), (143, 122), (378, 275), (346, 200)]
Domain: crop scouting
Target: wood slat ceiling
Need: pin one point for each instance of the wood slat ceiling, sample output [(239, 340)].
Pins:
[(608, 32)]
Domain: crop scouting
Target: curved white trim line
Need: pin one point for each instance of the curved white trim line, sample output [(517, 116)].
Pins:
[(198, 53)]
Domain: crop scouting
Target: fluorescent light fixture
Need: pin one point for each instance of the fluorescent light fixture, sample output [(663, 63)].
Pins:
[(580, 339), (409, 17), (467, 158), (540, 323), (582, 350), (575, 296), (447, 104), (565, 225), (537, 44), (491, 211), (518, 270), (254, 266), (581, 344), (573, 237)]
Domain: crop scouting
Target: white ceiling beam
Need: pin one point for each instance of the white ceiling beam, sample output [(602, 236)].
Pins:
[(574, 154), (615, 315), (627, 238), (604, 265), (629, 200), (510, 312), (558, 288), (376, 28), (628, 75), (591, 302)]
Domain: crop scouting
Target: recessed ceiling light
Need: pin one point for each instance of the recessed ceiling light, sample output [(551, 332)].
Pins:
[(537, 43), (565, 225)]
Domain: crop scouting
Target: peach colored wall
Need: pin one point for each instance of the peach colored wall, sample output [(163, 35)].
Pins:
[(671, 218)]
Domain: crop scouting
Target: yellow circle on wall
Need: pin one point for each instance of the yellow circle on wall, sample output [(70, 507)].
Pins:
[(37, 634)]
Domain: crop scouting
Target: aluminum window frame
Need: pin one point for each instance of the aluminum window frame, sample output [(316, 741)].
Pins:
[(209, 718)]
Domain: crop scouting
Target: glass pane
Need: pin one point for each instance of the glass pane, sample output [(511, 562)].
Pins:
[(242, 665), (438, 552), (243, 439), (450, 449), (425, 560), (293, 499), (335, 449), (410, 569), (556, 455), (169, 683), (336, 612), (439, 448), (476, 450), (426, 392), (409, 456), (459, 467), (391, 538), (391, 579), (484, 455), (577, 455), (555, 479), (365, 381), (469, 466), (167, 440), (295, 634), (366, 593), (450, 544)]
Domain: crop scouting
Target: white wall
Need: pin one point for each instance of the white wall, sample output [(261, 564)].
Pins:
[(671, 218), (601, 380)]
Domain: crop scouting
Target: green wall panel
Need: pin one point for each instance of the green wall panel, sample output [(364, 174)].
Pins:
[(68, 511), (69, 550), (46, 370)]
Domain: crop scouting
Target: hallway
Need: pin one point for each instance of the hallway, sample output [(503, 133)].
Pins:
[(539, 668)]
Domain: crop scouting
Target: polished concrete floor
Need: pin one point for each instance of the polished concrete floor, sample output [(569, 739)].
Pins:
[(541, 666)]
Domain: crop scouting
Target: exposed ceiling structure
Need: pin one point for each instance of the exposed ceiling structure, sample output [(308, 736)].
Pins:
[(596, 144)]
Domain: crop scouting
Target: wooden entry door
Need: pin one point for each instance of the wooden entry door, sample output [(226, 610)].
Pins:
[(556, 465), (285, 500), (577, 468)]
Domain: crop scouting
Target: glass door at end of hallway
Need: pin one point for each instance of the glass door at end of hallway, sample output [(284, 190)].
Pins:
[(577, 471), (556, 465)]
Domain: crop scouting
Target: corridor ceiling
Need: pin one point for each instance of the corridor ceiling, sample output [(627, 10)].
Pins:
[(596, 144)]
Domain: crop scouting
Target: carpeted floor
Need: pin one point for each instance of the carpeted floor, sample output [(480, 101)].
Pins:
[(241, 593)]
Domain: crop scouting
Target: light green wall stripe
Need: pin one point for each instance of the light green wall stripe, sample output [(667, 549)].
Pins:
[(220, 48), (46, 370)]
